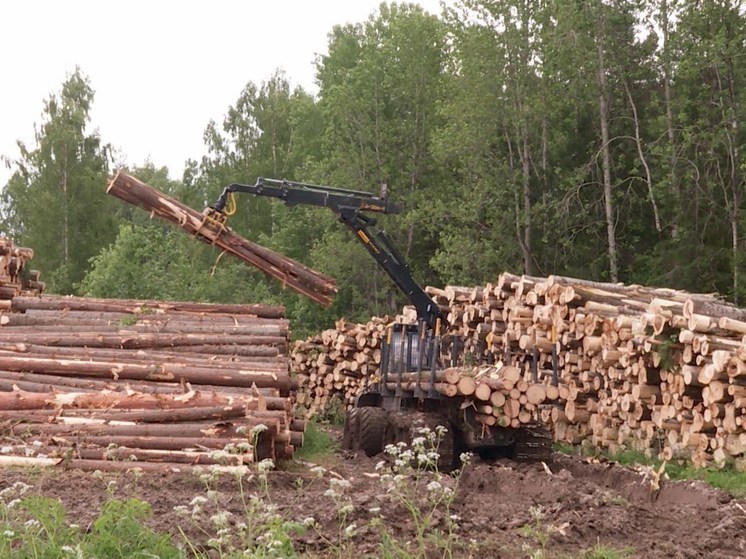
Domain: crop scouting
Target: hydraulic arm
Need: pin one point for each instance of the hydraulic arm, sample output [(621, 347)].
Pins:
[(348, 205)]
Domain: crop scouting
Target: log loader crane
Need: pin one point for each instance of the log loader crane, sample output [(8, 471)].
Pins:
[(385, 413)]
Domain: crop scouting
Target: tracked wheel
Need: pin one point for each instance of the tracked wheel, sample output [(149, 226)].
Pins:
[(373, 424), (532, 443), (351, 431), (448, 445)]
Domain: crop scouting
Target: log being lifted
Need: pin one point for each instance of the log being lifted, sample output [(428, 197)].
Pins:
[(314, 285)]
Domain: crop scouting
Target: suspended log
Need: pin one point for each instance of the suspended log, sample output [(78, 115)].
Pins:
[(316, 286)]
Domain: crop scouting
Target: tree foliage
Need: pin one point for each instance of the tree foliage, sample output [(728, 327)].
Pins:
[(600, 139), (54, 200)]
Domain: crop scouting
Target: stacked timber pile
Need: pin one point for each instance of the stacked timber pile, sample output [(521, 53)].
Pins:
[(15, 278), (658, 370), (115, 384), (655, 369), (344, 360), (337, 364), (205, 227)]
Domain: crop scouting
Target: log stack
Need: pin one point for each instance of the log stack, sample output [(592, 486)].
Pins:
[(15, 277), (658, 370), (114, 384), (337, 364)]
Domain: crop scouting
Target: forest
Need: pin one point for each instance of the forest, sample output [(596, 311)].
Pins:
[(599, 139)]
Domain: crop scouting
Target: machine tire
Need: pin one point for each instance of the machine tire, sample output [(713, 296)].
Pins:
[(373, 424), (533, 443), (448, 446), (351, 430)]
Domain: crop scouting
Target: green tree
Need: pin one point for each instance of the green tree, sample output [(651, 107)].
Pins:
[(54, 202), (380, 85)]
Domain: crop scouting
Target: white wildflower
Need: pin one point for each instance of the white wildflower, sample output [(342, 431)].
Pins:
[(346, 509), (198, 500), (419, 441), (218, 455), (9, 533), (309, 521), (350, 531), (256, 430), (221, 518), (341, 483), (318, 471), (265, 465), (424, 459), (434, 486), (32, 523), (181, 510)]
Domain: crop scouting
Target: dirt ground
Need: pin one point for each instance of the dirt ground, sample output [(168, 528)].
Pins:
[(580, 505)]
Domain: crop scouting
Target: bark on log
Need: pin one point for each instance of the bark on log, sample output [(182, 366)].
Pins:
[(140, 306), (314, 285)]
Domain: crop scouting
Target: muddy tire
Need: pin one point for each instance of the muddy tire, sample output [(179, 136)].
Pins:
[(351, 431), (533, 443), (448, 445), (373, 424)]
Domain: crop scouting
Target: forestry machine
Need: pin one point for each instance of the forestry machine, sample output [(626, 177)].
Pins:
[(385, 413)]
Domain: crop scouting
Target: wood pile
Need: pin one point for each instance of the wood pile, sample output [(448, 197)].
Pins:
[(115, 384), (15, 277), (293, 274), (657, 370), (338, 363), (342, 362)]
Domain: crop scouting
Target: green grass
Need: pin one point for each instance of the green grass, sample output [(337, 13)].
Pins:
[(728, 479), (36, 527), (317, 443)]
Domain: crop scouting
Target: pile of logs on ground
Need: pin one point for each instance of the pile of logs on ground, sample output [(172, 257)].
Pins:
[(656, 370), (115, 384), (336, 364), (15, 277), (293, 274), (332, 369)]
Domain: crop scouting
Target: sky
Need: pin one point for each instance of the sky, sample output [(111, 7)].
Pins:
[(160, 69)]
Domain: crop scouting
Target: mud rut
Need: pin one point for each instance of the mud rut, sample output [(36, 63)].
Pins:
[(582, 504)]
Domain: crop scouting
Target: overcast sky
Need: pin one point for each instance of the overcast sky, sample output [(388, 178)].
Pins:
[(160, 69)]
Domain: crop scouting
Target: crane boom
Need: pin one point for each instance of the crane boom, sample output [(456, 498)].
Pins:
[(348, 205)]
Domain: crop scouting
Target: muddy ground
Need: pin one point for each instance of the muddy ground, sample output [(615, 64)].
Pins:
[(580, 505)]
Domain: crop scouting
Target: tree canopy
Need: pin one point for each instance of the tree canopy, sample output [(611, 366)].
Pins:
[(600, 139)]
